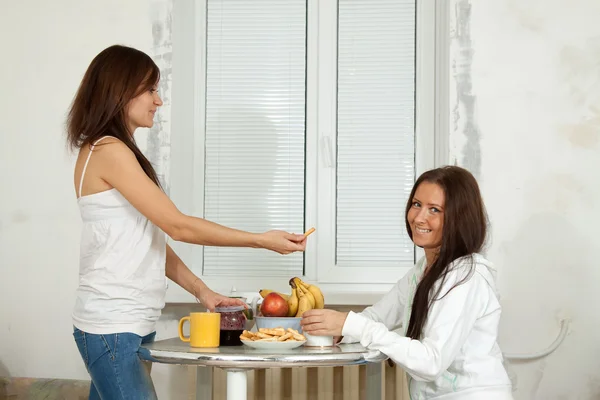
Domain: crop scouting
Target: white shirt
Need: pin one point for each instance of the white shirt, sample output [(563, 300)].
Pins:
[(458, 356), (122, 282)]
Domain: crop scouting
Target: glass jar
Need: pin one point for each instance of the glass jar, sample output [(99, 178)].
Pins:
[(233, 323), (247, 311)]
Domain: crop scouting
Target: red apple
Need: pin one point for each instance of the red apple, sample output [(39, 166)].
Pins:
[(274, 305)]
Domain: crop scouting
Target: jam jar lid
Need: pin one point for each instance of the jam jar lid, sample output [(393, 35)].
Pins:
[(229, 309)]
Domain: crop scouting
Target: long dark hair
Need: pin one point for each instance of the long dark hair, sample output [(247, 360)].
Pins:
[(464, 233), (115, 76)]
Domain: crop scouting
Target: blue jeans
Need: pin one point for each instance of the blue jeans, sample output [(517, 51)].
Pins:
[(114, 365)]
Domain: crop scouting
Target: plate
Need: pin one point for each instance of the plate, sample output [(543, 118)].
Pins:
[(264, 345)]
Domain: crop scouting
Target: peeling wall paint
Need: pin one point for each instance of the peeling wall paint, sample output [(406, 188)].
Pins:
[(579, 68), (158, 144), (464, 120)]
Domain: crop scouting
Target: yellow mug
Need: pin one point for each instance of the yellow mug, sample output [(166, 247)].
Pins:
[(205, 328)]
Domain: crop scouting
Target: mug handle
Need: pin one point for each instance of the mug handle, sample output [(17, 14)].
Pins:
[(181, 322)]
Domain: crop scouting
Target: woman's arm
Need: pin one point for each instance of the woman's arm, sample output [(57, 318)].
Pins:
[(179, 273), (449, 323), (389, 310), (121, 170)]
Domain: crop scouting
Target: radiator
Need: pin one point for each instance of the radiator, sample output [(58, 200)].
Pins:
[(324, 383)]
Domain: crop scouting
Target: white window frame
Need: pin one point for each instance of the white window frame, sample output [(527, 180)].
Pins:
[(341, 285)]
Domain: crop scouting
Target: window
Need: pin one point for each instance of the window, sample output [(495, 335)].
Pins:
[(299, 113), (375, 131), (255, 128)]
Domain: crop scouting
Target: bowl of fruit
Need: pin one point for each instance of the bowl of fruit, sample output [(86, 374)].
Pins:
[(282, 310)]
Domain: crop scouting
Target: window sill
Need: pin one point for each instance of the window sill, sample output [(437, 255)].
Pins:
[(335, 294)]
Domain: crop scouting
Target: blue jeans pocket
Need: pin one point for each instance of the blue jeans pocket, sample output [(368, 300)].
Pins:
[(110, 343)]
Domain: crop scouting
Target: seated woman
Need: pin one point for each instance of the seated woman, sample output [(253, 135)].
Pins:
[(445, 310)]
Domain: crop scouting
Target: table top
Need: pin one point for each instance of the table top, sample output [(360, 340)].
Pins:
[(174, 351)]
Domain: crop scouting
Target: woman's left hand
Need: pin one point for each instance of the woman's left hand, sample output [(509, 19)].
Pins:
[(210, 300), (323, 322)]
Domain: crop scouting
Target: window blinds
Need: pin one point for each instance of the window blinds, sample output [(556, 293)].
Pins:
[(375, 136), (255, 128)]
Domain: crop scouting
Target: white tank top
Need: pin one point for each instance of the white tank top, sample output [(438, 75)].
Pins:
[(122, 282)]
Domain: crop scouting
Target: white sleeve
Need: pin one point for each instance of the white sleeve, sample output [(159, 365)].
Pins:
[(449, 323), (389, 310)]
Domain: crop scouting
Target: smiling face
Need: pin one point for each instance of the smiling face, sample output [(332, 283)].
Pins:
[(426, 216), (141, 109)]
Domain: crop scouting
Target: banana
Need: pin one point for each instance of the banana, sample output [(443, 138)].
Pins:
[(317, 294), (311, 298), (293, 302), (264, 292), (303, 304)]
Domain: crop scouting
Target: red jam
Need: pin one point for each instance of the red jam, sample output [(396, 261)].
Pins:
[(233, 323)]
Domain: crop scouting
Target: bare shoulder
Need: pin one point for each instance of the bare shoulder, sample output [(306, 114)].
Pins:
[(106, 145), (111, 145), (108, 156), (113, 151)]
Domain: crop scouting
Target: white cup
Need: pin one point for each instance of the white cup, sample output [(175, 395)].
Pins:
[(318, 341)]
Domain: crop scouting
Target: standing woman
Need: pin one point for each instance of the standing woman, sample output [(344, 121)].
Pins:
[(440, 321), (124, 255)]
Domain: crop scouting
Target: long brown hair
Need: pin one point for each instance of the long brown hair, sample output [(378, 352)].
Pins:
[(115, 76), (464, 233)]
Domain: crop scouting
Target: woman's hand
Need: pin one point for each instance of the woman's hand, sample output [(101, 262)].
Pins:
[(210, 300), (282, 242), (323, 322)]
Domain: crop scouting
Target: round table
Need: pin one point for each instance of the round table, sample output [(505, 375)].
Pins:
[(237, 360)]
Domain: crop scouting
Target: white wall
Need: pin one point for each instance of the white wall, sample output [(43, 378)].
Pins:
[(530, 130), (525, 120)]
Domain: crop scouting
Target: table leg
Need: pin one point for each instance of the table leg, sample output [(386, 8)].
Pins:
[(237, 384), (204, 378), (374, 380)]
